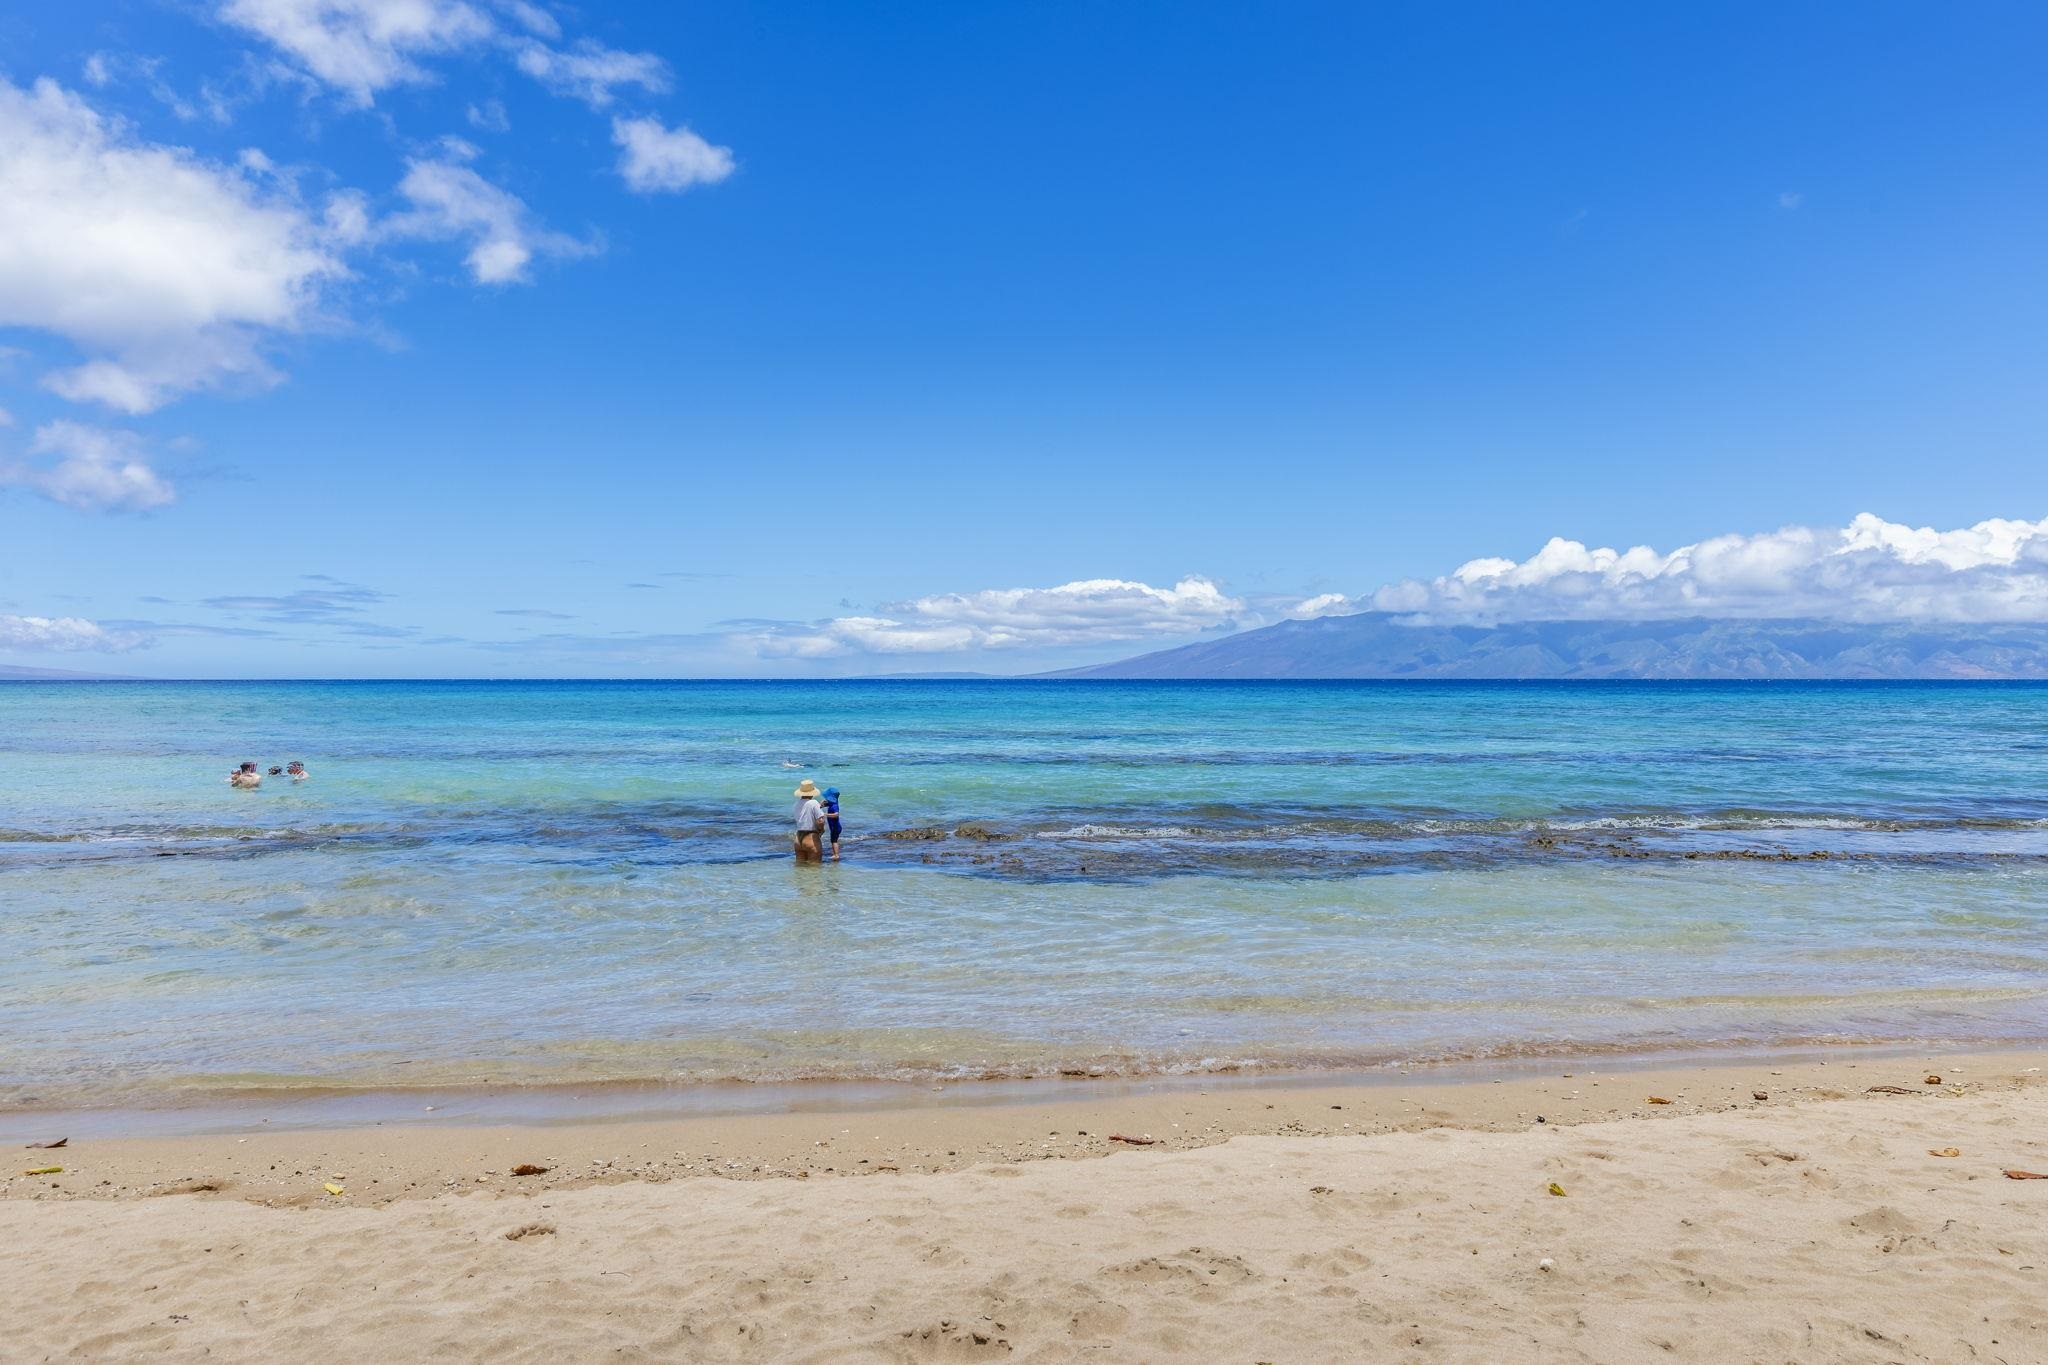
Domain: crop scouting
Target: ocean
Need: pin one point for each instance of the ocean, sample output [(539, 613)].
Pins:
[(562, 884)]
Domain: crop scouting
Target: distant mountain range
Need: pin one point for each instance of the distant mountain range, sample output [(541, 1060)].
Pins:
[(1378, 645)]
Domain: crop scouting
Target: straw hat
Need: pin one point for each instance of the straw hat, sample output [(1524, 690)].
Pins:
[(808, 788)]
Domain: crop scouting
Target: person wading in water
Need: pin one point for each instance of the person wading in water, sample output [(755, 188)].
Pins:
[(810, 820)]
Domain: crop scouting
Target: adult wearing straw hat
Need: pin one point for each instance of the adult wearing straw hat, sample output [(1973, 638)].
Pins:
[(810, 819)]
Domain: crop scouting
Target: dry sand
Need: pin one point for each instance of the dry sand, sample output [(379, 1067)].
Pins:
[(1812, 1225)]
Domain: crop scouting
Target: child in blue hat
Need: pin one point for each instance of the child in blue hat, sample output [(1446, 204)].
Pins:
[(832, 818)]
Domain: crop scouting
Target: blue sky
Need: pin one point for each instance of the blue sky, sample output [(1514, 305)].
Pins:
[(644, 339)]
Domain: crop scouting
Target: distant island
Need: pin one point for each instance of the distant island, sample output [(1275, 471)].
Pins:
[(1382, 645)]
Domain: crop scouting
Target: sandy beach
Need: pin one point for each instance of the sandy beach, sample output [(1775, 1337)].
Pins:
[(1413, 1220)]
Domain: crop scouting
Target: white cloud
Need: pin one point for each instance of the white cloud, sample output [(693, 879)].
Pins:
[(590, 71), (489, 117), (166, 269), (63, 633), (1869, 570), (534, 19), (656, 158), (6, 418), (1790, 200), (95, 469), (1092, 611), (452, 202), (362, 46), (1323, 604)]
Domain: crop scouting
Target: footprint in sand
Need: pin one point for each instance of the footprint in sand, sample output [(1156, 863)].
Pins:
[(947, 1340)]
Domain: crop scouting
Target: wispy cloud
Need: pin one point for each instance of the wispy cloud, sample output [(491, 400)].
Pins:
[(489, 116), (1089, 611), (330, 601), (362, 47), (452, 202), (536, 612), (591, 72), (94, 469)]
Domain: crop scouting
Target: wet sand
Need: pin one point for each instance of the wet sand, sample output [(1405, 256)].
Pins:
[(1404, 1221)]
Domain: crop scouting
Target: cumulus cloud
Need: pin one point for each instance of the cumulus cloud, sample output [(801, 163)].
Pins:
[(1869, 570), (362, 46), (167, 270), (654, 158), (590, 71), (1323, 604), (69, 633), (95, 469), (452, 202), (1091, 611)]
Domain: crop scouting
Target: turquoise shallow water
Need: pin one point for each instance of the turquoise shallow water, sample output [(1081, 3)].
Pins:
[(545, 882)]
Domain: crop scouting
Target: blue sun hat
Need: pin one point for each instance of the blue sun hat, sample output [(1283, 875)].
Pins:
[(831, 793)]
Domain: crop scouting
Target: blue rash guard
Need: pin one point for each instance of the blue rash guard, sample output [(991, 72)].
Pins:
[(832, 819)]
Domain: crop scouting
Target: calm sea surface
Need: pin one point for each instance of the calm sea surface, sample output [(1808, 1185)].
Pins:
[(562, 882)]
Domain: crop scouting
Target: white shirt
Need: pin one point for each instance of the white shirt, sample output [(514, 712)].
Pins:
[(809, 815)]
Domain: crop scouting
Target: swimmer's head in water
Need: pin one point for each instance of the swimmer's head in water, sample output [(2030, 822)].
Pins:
[(275, 771), (248, 767), (295, 767)]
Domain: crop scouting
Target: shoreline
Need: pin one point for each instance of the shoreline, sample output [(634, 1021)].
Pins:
[(318, 1104), (431, 1151)]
